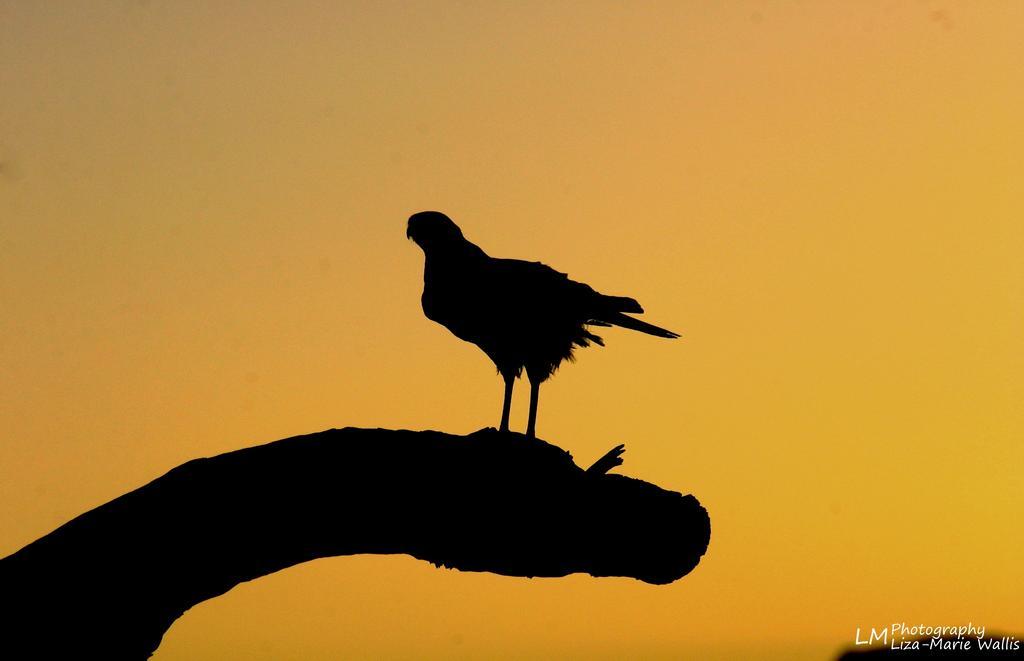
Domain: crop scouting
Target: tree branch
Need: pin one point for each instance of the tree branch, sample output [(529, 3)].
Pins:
[(109, 583)]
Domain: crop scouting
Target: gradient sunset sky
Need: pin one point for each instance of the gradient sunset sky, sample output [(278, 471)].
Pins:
[(202, 247)]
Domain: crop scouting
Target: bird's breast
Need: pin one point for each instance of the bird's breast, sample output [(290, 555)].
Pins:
[(430, 306)]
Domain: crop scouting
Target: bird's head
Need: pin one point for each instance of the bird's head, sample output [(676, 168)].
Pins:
[(432, 228)]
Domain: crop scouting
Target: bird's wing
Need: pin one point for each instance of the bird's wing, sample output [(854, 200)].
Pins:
[(543, 284), (552, 294), (539, 285)]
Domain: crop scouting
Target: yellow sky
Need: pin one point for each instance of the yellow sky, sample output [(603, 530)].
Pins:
[(202, 216)]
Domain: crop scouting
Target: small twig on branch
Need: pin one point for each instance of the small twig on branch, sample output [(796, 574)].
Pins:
[(610, 460)]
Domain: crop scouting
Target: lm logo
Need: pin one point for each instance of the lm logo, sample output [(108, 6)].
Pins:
[(882, 636)]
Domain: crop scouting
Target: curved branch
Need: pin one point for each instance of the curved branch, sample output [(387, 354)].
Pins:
[(111, 582)]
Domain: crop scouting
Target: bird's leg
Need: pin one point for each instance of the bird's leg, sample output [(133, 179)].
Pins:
[(510, 380), (531, 425)]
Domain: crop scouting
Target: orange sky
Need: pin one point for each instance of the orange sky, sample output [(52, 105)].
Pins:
[(202, 217)]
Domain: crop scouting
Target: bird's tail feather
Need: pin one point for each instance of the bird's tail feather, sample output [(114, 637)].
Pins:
[(619, 319)]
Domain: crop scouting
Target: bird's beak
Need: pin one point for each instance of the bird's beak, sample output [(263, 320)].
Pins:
[(408, 232)]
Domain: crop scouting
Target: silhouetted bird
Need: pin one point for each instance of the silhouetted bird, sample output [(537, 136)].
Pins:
[(524, 315)]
